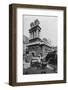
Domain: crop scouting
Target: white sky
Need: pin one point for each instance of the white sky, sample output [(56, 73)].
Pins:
[(48, 26)]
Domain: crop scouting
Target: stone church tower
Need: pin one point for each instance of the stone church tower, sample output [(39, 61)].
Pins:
[(36, 46), (34, 31)]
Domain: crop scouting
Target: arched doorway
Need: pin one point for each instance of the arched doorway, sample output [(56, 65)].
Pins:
[(33, 53)]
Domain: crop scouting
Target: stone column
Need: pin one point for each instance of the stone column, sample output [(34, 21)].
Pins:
[(37, 33), (30, 35), (34, 34)]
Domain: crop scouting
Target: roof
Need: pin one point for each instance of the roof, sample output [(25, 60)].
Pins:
[(38, 43), (34, 43)]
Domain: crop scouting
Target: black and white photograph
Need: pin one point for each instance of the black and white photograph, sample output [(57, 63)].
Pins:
[(39, 44)]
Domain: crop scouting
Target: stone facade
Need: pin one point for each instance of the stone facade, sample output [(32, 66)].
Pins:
[(36, 49)]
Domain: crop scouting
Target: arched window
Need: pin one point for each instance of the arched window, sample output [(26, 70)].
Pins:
[(33, 53)]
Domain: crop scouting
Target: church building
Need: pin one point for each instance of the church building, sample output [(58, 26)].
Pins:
[(36, 46)]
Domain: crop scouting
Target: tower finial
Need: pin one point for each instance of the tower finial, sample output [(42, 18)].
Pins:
[(36, 22), (32, 24)]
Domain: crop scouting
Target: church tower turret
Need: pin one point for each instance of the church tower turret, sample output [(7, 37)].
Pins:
[(34, 31)]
